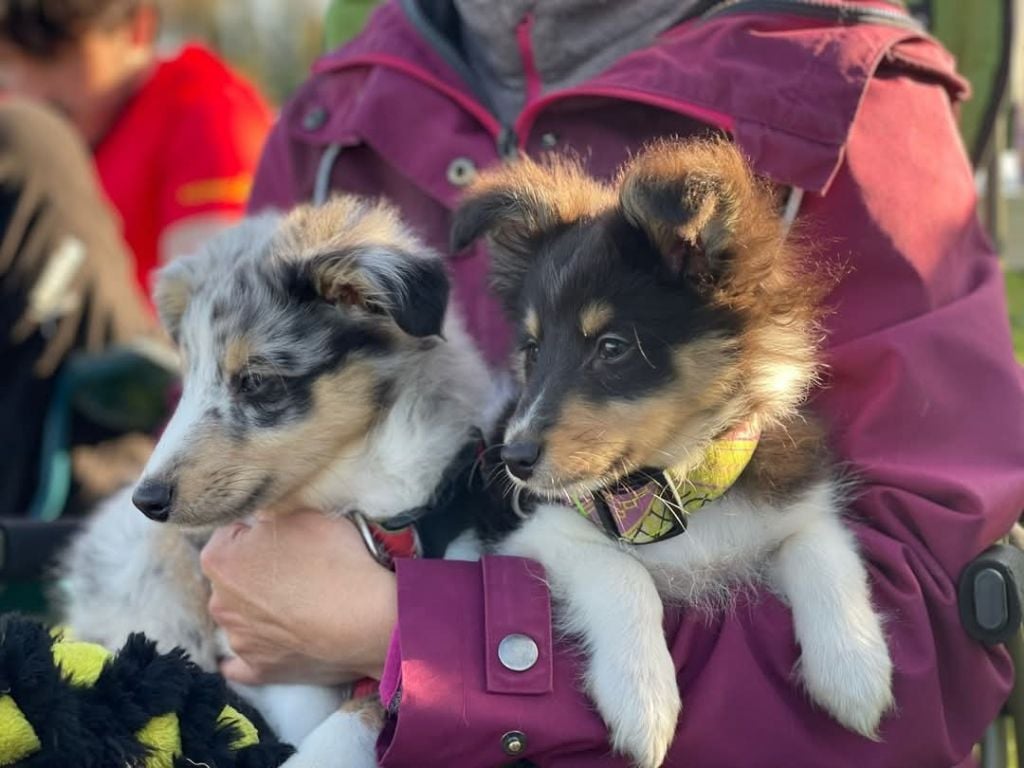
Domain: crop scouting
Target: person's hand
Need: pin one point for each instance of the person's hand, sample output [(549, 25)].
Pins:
[(300, 599)]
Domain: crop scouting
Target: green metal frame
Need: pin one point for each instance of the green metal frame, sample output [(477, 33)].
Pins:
[(123, 389)]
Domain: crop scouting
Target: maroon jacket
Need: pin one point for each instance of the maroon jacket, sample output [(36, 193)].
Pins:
[(924, 396)]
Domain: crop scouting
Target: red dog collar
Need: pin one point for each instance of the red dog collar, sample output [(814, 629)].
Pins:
[(386, 545), (399, 537)]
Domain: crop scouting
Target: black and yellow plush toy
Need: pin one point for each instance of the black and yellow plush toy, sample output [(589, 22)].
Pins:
[(66, 704)]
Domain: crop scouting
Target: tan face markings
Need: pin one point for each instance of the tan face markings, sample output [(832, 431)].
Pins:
[(531, 322), (221, 472), (236, 356), (595, 317), (604, 441)]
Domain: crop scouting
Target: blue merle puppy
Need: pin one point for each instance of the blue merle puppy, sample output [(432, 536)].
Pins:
[(321, 368)]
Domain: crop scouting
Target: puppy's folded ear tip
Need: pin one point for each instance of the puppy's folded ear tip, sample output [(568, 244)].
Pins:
[(467, 226), (458, 242)]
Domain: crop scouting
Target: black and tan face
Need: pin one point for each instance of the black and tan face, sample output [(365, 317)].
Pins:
[(618, 357), (629, 358), (287, 331)]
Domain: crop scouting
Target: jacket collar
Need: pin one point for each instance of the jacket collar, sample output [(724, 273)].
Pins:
[(518, 48), (786, 85)]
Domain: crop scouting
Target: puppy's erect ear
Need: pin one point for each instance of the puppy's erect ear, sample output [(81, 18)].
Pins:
[(515, 206), (411, 289), (697, 201), (172, 292)]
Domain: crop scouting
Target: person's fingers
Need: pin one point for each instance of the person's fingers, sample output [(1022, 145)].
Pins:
[(217, 607), (216, 551), (239, 671)]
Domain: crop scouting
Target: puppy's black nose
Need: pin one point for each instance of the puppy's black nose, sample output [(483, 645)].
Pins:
[(153, 499), (521, 457)]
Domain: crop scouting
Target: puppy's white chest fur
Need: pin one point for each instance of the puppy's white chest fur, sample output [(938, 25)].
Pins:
[(611, 597), (727, 543)]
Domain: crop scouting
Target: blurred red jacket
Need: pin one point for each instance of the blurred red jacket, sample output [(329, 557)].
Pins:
[(186, 144)]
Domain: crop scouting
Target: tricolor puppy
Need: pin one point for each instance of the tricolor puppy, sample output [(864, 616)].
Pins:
[(321, 369), (667, 335)]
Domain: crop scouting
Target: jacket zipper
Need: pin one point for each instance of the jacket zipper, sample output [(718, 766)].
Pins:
[(447, 51), (506, 141)]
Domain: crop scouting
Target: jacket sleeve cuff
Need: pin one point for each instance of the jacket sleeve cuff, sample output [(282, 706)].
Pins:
[(451, 696)]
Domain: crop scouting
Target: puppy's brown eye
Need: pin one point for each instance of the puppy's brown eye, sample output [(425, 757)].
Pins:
[(530, 349), (258, 389), (249, 383), (610, 348)]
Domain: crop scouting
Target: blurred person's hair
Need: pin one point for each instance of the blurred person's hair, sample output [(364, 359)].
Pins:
[(42, 27)]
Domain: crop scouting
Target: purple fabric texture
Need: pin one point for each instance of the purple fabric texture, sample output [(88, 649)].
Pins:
[(923, 395)]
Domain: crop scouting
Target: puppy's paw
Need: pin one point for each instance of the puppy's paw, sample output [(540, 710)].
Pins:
[(851, 678), (635, 690)]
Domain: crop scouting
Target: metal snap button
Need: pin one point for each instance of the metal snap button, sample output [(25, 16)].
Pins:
[(518, 652), (461, 171), (314, 119), (514, 743)]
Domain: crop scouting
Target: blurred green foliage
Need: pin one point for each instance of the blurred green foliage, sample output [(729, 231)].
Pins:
[(1015, 298), (273, 43)]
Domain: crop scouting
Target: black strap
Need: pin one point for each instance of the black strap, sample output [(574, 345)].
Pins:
[(450, 511), (604, 514)]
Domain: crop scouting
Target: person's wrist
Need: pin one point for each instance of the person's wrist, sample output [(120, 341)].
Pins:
[(369, 634), (380, 639)]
